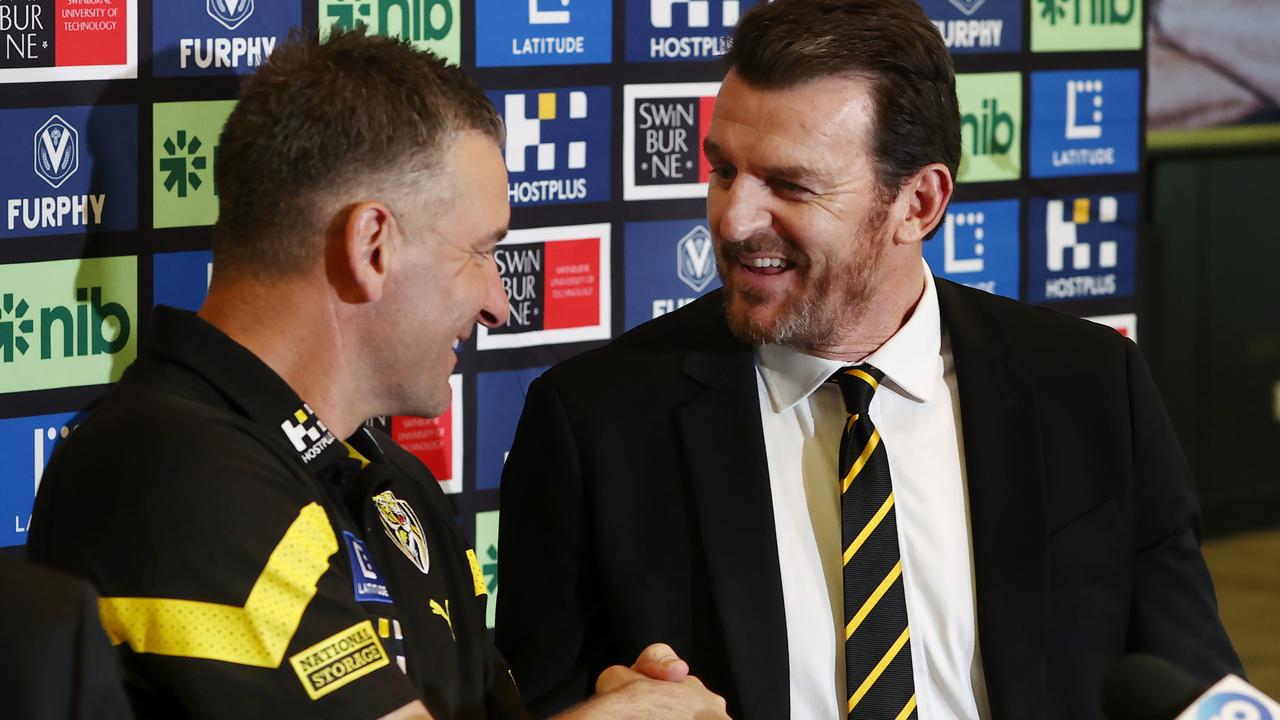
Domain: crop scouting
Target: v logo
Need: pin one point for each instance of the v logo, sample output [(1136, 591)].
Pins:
[(232, 6), (699, 253), (57, 152)]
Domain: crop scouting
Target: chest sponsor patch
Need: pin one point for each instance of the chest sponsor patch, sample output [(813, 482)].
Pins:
[(339, 660), (368, 584), (404, 529)]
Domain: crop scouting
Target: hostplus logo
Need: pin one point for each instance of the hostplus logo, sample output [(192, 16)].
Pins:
[(1084, 123), (1087, 247), (57, 158), (557, 145), (308, 433), (990, 126), (978, 246), (427, 24), (662, 30)]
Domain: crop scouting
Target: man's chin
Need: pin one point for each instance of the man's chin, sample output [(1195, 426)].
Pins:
[(753, 324)]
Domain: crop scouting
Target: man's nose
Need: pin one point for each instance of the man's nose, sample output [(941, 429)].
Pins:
[(496, 308), (744, 212)]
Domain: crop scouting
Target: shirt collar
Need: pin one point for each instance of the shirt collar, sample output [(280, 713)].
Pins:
[(909, 359)]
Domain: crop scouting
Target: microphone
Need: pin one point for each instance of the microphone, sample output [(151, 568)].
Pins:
[(1141, 687)]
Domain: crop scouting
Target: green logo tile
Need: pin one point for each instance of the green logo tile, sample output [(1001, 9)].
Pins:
[(990, 126), (184, 145), (433, 25), (67, 323), (487, 552), (1074, 25)]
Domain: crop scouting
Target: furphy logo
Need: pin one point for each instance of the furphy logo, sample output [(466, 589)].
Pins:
[(513, 33), (978, 26), (1083, 247), (184, 144), (668, 264), (182, 278), (557, 283), (49, 40), (26, 444), (499, 402), (487, 554), (662, 133), (437, 441), (1066, 25), (990, 126), (680, 30), (66, 323), (218, 37), (1084, 122), (72, 170), (557, 145), (1125, 323), (433, 25), (978, 246)]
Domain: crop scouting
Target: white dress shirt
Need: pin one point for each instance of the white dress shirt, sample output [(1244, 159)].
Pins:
[(917, 411)]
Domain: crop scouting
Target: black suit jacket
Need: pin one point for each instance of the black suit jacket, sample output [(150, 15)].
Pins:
[(636, 508)]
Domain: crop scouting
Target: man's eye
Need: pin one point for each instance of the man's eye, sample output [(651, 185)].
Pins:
[(723, 172), (788, 188)]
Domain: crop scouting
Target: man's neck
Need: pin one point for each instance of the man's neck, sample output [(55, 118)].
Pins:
[(888, 309)]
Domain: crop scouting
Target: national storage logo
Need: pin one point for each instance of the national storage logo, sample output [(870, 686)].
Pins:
[(182, 278), (662, 133), (681, 30), (1084, 122), (499, 402), (185, 147), (669, 264), (67, 323), (1083, 247), (26, 443), (990, 126), (1073, 25), (69, 170), (977, 26), (487, 554), (50, 40), (543, 32), (557, 144), (218, 37), (557, 283), (978, 246), (437, 441), (433, 25)]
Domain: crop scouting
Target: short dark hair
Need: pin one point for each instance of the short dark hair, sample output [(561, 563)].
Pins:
[(321, 117), (917, 119)]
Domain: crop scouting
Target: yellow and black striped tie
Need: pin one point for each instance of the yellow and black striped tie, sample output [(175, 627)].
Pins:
[(877, 646)]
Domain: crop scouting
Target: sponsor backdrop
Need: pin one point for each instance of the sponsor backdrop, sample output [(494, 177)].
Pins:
[(111, 111)]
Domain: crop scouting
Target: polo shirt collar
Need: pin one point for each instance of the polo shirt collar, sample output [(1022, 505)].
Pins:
[(908, 359)]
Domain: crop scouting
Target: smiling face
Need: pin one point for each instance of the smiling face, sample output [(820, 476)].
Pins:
[(799, 219)]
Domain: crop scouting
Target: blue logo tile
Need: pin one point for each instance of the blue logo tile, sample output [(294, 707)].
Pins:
[(543, 32), (557, 144), (368, 584), (978, 26), (668, 264), (1083, 247), (182, 278), (1084, 122), (218, 37), (681, 30), (26, 443), (978, 246), (499, 402)]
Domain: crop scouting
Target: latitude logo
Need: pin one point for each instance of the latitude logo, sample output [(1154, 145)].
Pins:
[(230, 14), (695, 259), (57, 151)]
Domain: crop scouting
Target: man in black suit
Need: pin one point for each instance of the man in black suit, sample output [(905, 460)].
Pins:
[(840, 486)]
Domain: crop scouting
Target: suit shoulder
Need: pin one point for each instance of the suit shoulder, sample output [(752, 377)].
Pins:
[(1035, 329)]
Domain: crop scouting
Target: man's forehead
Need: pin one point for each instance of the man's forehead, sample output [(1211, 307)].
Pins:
[(820, 114)]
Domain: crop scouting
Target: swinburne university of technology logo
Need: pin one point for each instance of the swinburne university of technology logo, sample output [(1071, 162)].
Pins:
[(26, 445), (1084, 122), (662, 133), (668, 265), (977, 246), (990, 126), (977, 26), (307, 433), (73, 184), (557, 283), (543, 32), (1083, 247), (680, 30), (436, 441), (427, 24), (47, 40), (557, 145), (218, 37)]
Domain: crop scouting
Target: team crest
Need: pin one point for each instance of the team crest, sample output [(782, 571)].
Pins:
[(402, 526)]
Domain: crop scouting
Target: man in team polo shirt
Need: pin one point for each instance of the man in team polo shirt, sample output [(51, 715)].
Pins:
[(252, 562)]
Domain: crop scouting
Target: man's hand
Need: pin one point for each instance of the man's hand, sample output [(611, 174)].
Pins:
[(658, 661), (658, 685)]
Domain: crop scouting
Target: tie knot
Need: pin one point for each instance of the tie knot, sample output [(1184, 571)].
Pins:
[(858, 384)]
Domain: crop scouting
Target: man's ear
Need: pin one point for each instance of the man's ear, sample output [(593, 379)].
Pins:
[(926, 196), (360, 251)]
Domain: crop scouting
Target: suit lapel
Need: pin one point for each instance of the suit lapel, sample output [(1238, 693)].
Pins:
[(724, 445), (1007, 506)]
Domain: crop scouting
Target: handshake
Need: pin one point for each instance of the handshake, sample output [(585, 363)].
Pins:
[(658, 684)]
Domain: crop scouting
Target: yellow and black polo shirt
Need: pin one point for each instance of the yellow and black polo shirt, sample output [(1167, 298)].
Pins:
[(250, 563)]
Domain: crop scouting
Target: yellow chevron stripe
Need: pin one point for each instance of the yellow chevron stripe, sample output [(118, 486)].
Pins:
[(862, 460), (256, 634), (871, 602), (906, 711), (878, 670), (870, 528), (848, 425), (865, 376)]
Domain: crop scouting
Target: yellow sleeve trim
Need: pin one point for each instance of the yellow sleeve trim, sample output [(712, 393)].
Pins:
[(256, 634), (477, 577)]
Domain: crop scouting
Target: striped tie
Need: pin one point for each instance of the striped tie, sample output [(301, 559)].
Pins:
[(877, 646)]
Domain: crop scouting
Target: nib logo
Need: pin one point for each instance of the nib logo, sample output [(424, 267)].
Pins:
[(229, 13), (182, 163), (57, 151), (14, 317)]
